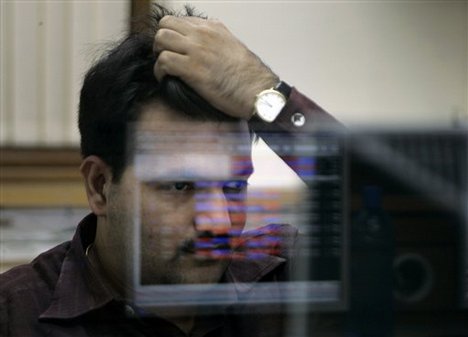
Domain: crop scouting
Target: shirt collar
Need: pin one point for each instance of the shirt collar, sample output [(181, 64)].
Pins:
[(79, 289), (246, 273)]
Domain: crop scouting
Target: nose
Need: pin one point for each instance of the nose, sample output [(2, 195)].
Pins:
[(212, 209)]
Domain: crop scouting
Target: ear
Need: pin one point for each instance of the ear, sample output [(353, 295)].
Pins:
[(97, 178)]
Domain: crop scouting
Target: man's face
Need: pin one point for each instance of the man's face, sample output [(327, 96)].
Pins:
[(190, 179)]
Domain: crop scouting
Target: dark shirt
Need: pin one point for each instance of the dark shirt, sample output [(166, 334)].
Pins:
[(59, 294)]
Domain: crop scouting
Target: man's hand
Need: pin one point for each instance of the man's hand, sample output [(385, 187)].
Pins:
[(210, 59)]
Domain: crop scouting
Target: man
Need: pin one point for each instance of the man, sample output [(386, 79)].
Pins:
[(189, 77)]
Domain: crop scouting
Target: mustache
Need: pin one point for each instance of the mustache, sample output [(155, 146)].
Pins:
[(229, 244), (205, 240), (187, 247)]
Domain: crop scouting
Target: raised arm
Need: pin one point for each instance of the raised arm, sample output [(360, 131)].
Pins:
[(212, 61)]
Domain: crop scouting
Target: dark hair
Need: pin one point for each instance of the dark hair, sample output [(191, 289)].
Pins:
[(120, 83)]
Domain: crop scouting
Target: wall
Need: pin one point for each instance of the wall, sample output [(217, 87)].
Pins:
[(45, 48)]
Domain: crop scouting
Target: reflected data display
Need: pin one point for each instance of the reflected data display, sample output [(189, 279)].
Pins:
[(202, 236)]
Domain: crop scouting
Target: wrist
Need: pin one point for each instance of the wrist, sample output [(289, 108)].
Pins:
[(270, 102), (268, 82)]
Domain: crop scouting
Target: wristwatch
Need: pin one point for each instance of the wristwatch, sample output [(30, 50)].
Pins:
[(270, 102)]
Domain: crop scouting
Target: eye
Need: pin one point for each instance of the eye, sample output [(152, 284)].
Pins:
[(181, 186), (235, 186), (175, 186)]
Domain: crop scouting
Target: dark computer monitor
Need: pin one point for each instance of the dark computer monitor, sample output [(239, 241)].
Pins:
[(408, 218)]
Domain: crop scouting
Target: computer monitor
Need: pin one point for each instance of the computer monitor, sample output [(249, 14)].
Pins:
[(313, 250)]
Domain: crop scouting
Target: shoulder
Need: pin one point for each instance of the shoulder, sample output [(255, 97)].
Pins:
[(26, 290), (43, 270)]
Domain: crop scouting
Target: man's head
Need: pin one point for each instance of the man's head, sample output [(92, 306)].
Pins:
[(117, 87), (118, 91)]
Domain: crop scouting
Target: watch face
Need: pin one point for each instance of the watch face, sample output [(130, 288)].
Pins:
[(269, 104)]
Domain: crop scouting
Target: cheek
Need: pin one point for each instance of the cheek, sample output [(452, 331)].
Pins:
[(161, 216), (120, 215)]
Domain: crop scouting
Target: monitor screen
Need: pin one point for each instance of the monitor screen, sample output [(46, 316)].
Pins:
[(264, 245)]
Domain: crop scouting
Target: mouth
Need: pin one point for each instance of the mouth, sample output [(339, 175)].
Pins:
[(231, 244)]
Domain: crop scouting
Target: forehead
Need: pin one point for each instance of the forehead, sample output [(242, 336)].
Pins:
[(171, 145), (158, 117)]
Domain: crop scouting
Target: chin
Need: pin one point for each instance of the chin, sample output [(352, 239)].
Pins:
[(187, 271)]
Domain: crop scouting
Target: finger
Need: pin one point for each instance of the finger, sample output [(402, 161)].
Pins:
[(170, 63), (166, 39), (195, 19), (178, 24)]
